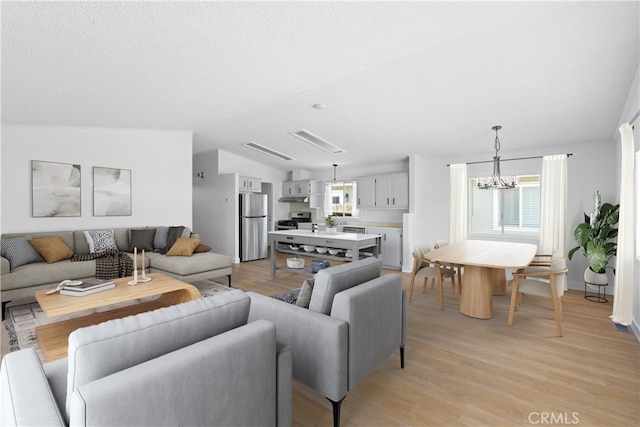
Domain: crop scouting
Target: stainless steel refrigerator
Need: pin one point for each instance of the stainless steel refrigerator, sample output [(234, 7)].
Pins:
[(253, 226)]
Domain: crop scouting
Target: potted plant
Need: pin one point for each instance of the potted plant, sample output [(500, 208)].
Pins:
[(331, 224), (597, 236)]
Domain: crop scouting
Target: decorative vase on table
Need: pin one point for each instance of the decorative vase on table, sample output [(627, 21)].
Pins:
[(331, 230)]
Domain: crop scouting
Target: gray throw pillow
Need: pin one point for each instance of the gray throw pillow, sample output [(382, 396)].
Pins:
[(172, 236), (160, 239), (19, 251), (304, 297), (142, 239)]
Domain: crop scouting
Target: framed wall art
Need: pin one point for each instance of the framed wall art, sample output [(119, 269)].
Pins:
[(55, 189), (111, 191)]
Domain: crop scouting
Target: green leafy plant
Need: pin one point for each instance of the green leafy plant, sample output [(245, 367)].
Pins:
[(330, 222), (597, 235)]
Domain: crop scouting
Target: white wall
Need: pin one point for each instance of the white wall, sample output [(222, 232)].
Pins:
[(215, 207), (160, 164)]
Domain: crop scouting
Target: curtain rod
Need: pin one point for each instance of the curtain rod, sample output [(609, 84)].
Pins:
[(508, 160), (635, 116)]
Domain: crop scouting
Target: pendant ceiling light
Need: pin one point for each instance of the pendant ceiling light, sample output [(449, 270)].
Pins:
[(496, 182)]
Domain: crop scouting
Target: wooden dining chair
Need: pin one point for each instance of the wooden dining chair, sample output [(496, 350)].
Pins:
[(425, 269), (541, 262), (456, 267), (549, 283)]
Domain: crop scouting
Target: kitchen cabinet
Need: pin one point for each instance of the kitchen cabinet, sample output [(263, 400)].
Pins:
[(302, 188), (248, 184), (391, 244), (367, 192), (384, 191)]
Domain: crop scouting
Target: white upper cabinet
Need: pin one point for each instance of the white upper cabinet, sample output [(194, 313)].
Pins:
[(367, 192), (301, 188), (248, 184), (384, 191)]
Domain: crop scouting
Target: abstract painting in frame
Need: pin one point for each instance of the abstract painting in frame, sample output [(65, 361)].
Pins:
[(111, 191), (55, 189)]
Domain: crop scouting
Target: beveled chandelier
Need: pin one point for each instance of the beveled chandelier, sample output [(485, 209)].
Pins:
[(496, 182)]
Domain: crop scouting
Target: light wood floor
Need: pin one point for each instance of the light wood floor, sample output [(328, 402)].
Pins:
[(468, 372)]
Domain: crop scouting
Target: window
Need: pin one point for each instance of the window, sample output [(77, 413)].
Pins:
[(510, 212), (340, 199)]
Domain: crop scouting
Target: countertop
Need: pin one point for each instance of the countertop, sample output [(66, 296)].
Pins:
[(354, 237)]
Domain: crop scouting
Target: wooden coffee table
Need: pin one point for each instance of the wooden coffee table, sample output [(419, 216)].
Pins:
[(53, 338)]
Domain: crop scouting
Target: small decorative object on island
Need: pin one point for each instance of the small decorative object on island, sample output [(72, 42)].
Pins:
[(331, 224), (597, 236)]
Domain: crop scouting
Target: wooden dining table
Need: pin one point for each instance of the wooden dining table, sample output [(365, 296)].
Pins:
[(485, 263)]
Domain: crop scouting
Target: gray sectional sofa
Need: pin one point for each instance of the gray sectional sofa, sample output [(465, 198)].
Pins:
[(23, 280)]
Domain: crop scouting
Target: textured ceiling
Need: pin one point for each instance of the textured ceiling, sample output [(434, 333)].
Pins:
[(396, 78)]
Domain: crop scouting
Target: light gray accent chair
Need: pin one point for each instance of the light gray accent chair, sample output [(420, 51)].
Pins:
[(356, 319), (198, 363)]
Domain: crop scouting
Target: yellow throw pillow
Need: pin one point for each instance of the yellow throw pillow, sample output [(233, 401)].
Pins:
[(52, 249), (184, 246)]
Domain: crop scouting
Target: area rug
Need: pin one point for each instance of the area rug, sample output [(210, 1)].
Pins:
[(21, 320)]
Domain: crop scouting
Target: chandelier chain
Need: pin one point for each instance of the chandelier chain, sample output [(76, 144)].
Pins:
[(497, 143)]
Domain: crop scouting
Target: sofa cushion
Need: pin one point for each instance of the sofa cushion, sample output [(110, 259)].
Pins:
[(142, 239), (304, 297), (332, 280), (160, 239), (197, 263), (202, 248), (100, 240), (42, 273), (121, 236), (101, 350), (184, 246), (52, 249), (19, 251)]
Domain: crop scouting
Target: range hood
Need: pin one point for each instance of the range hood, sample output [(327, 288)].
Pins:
[(294, 199)]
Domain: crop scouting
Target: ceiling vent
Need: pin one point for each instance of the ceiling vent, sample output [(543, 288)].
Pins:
[(267, 151), (315, 140)]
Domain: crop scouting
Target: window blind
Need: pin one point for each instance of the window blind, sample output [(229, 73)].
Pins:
[(513, 211)]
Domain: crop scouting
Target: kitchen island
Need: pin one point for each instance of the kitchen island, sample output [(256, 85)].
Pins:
[(281, 241)]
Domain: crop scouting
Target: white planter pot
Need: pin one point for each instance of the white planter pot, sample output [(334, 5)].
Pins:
[(331, 230), (595, 278)]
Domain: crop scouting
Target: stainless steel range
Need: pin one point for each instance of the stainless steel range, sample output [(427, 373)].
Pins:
[(292, 224)]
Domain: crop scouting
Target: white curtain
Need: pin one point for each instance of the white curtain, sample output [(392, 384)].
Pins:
[(458, 202), (553, 204), (623, 293)]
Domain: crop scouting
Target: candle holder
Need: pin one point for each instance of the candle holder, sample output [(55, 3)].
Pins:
[(135, 278), (144, 278)]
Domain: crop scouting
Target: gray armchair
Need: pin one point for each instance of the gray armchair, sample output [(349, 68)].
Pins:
[(199, 364), (356, 319)]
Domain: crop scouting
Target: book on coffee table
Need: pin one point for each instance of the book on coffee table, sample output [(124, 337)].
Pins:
[(89, 286)]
